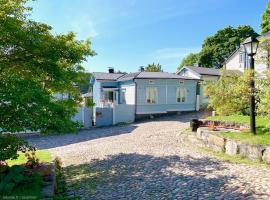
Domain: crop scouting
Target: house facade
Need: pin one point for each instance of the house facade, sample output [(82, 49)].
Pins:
[(239, 59), (204, 75), (122, 98)]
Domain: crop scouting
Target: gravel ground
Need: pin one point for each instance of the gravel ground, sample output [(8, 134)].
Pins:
[(149, 160)]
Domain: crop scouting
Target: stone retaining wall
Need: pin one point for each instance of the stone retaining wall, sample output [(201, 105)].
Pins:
[(253, 152)]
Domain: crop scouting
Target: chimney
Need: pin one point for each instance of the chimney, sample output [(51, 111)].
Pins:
[(141, 68), (111, 70)]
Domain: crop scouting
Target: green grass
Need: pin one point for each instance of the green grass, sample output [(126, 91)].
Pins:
[(262, 136), (43, 156), (260, 121), (234, 159)]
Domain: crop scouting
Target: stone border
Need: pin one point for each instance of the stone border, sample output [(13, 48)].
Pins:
[(49, 183), (252, 152)]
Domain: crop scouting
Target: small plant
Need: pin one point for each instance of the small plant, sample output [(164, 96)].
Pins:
[(212, 126), (32, 160)]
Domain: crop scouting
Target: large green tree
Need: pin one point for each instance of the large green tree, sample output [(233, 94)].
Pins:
[(153, 68), (190, 60), (217, 48), (265, 24), (34, 66)]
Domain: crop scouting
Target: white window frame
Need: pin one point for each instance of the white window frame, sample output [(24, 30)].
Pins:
[(123, 96), (153, 97), (180, 94)]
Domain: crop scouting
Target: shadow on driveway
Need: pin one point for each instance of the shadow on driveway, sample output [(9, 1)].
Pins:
[(136, 176)]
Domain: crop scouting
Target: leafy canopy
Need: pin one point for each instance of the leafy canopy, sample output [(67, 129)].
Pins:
[(34, 66), (265, 24), (153, 68), (190, 60), (216, 48)]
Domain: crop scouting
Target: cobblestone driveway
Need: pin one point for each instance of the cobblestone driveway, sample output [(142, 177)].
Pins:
[(149, 161)]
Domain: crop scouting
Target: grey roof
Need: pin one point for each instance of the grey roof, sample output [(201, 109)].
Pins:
[(129, 76), (160, 75), (138, 75), (107, 76), (204, 70)]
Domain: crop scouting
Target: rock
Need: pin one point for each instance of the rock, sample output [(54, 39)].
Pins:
[(231, 147), (266, 155), (252, 152), (216, 142)]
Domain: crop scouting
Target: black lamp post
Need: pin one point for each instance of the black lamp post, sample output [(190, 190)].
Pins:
[(251, 45)]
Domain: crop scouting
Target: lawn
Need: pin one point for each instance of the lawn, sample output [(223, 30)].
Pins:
[(43, 156), (262, 133)]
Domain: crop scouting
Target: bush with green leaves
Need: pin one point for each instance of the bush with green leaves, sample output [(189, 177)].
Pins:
[(10, 145), (15, 177), (230, 94)]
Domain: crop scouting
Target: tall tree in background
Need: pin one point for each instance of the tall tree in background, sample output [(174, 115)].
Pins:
[(190, 60), (153, 68), (265, 24), (34, 66), (217, 48)]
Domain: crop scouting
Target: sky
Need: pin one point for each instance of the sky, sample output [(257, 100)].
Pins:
[(127, 34)]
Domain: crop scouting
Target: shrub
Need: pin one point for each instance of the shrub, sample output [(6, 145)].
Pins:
[(230, 94), (10, 145)]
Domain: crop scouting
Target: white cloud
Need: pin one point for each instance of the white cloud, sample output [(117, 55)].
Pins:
[(84, 26), (173, 53)]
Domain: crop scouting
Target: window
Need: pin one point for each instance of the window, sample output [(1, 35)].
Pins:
[(181, 95), (123, 96), (108, 96), (151, 95), (242, 57)]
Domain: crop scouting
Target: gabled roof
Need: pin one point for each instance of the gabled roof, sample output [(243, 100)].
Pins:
[(138, 75), (107, 76), (204, 70)]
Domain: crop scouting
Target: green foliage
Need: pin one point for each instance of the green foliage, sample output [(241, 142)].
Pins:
[(230, 94), (10, 145), (217, 48), (265, 24), (89, 102), (15, 181), (264, 94), (153, 68), (190, 60), (35, 65)]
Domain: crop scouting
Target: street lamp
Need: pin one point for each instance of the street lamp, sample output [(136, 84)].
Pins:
[(251, 45)]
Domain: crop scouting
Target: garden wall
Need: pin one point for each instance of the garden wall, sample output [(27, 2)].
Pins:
[(253, 152)]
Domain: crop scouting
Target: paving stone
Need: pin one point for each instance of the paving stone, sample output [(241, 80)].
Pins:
[(150, 160)]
